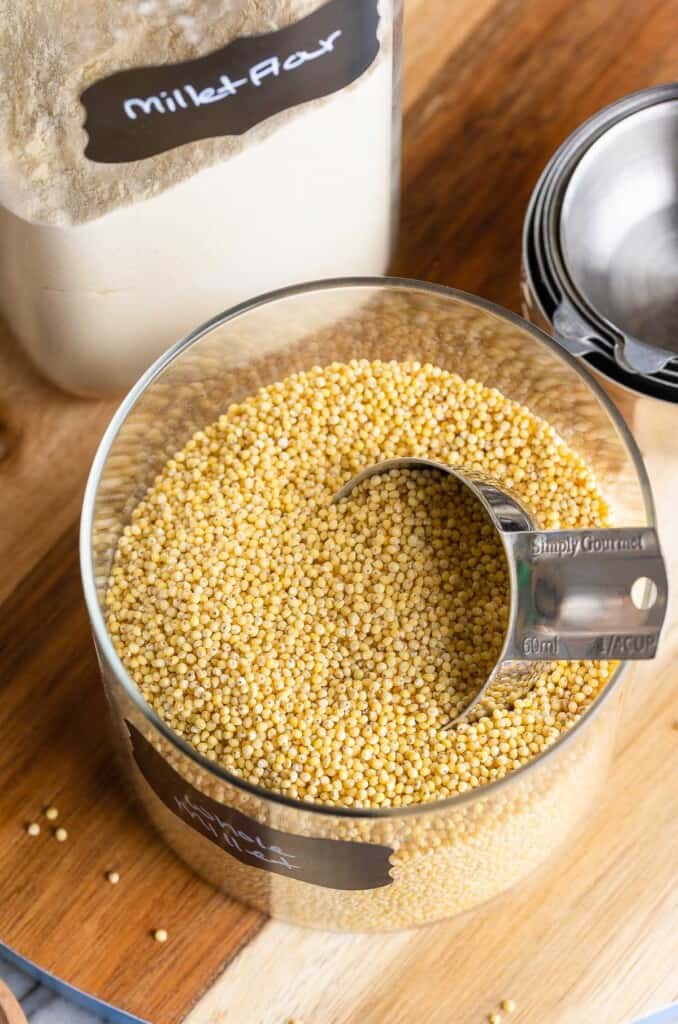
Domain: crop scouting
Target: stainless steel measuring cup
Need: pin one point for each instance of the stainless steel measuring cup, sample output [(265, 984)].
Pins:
[(575, 595), (600, 243)]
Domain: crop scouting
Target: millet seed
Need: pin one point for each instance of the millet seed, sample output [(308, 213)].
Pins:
[(61, 835), (319, 650), (33, 829)]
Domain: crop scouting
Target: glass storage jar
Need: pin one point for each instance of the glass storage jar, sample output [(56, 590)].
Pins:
[(160, 163), (333, 867)]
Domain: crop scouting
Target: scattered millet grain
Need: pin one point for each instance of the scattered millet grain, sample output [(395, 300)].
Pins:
[(51, 813), (160, 935), (319, 650), (508, 1005), (33, 829), (494, 1018), (61, 835), (113, 877)]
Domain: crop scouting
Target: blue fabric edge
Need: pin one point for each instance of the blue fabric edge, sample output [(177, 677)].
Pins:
[(669, 1015), (62, 988)]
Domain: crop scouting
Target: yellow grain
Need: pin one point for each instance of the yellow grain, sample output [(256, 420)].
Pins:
[(320, 650)]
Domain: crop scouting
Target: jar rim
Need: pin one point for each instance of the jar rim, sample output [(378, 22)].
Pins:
[(102, 636)]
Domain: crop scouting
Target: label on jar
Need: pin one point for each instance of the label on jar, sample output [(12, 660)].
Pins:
[(136, 113), (332, 863)]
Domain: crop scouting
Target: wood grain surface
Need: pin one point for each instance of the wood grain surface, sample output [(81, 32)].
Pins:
[(491, 88)]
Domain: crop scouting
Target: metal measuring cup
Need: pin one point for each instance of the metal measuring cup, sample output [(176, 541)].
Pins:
[(575, 595)]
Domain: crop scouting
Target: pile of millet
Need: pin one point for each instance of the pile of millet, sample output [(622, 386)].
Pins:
[(321, 650)]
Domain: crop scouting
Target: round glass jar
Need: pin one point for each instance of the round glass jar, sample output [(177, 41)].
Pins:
[(352, 869), (190, 160)]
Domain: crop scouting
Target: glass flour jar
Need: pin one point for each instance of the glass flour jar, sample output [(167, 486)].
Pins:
[(167, 160)]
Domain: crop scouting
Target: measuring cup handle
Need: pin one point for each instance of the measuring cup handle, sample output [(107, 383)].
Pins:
[(573, 332), (586, 595)]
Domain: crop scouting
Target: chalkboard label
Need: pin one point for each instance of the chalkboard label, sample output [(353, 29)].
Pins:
[(331, 863), (136, 113)]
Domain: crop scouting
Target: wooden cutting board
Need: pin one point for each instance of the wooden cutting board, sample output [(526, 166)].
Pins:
[(491, 88)]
